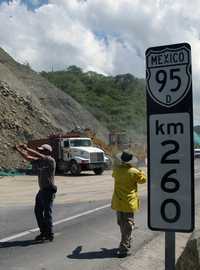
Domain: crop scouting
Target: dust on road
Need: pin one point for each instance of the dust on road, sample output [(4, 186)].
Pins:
[(21, 190)]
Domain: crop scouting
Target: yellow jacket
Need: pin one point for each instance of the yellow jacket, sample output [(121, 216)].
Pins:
[(125, 196)]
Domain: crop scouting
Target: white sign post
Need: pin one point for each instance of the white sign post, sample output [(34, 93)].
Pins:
[(170, 142)]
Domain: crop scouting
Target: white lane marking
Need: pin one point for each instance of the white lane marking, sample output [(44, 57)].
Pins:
[(55, 223), (14, 236), (60, 221)]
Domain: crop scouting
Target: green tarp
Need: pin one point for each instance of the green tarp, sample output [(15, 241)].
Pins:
[(196, 138), (10, 173)]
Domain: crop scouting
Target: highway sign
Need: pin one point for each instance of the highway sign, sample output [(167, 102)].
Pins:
[(168, 74), (170, 138)]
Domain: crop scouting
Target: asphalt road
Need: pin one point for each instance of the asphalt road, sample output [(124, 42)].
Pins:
[(83, 240)]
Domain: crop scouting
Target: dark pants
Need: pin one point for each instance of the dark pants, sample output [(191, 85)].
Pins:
[(126, 224), (43, 211)]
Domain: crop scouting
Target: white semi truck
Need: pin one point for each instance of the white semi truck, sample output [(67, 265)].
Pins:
[(74, 154)]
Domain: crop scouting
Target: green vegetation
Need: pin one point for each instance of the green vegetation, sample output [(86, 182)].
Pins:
[(118, 102)]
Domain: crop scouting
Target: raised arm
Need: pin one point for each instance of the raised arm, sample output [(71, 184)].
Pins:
[(25, 154), (138, 175), (141, 177), (33, 152)]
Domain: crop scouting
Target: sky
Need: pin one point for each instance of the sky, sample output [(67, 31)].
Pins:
[(106, 36)]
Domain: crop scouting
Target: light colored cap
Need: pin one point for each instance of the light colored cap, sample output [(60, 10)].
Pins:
[(45, 147), (127, 157)]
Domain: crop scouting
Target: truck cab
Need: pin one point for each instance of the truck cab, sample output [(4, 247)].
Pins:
[(78, 154)]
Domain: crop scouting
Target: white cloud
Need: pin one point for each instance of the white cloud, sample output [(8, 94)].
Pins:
[(107, 36)]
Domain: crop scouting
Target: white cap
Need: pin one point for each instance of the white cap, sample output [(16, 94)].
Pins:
[(127, 157), (45, 147)]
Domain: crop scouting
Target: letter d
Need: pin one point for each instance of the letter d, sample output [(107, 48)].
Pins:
[(168, 99)]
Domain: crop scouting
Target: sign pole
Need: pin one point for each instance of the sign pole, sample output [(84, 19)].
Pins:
[(170, 252)]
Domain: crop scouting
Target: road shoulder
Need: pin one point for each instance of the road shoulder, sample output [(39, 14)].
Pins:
[(152, 255)]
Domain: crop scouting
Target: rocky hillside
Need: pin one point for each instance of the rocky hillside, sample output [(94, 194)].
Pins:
[(31, 107), (20, 120)]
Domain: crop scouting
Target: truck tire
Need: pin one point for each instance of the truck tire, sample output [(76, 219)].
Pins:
[(98, 171), (75, 168), (65, 172)]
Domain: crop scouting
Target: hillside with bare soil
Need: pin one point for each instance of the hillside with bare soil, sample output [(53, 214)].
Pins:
[(32, 108), (20, 121)]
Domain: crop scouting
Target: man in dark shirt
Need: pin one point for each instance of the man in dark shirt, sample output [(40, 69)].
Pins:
[(45, 166)]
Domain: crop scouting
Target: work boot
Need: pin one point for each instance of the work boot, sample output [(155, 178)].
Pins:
[(40, 237), (49, 237), (123, 251)]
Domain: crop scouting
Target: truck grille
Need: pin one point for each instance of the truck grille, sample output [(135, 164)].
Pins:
[(96, 157)]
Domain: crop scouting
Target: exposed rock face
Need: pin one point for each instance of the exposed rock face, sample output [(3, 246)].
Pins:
[(20, 121), (33, 108), (62, 110)]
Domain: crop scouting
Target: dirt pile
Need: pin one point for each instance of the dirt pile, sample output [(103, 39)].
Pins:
[(31, 107), (63, 111), (20, 121)]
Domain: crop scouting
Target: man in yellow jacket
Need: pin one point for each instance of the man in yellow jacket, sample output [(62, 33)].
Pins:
[(125, 198)]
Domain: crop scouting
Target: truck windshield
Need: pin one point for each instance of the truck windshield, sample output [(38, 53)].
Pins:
[(80, 143)]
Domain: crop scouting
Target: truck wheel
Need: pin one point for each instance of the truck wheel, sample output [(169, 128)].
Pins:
[(98, 171), (65, 172), (75, 168)]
